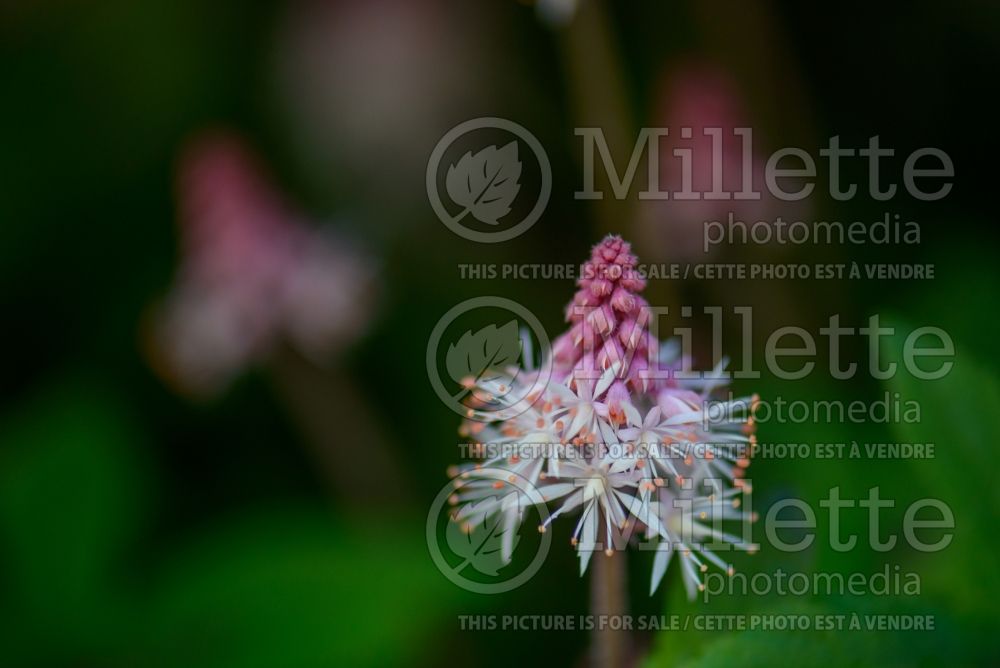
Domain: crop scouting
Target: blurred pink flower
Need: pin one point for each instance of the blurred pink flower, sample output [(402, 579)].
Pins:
[(366, 88), (251, 275), (697, 95), (556, 13)]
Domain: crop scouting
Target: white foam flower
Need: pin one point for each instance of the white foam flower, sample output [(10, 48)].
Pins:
[(607, 496), (632, 452)]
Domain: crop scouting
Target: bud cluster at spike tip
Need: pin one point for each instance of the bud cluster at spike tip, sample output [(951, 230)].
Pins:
[(604, 313), (609, 323), (631, 450)]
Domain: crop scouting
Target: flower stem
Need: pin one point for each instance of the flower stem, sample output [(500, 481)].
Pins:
[(598, 92), (610, 646)]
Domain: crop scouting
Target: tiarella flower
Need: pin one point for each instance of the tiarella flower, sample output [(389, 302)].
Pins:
[(605, 428), (588, 413), (607, 496)]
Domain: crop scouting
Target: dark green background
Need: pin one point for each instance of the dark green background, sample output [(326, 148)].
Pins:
[(138, 528)]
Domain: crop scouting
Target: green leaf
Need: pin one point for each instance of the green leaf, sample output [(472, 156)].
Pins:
[(958, 415), (809, 647), (298, 589), (70, 495)]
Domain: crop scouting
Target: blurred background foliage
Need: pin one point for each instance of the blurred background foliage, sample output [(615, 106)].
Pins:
[(274, 517)]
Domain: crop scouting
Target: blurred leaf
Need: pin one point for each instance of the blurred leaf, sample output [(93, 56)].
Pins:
[(954, 412), (299, 590), (957, 415), (69, 502), (805, 648)]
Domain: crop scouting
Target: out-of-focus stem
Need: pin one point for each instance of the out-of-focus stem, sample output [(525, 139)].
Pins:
[(610, 648), (599, 97), (337, 425), (598, 92)]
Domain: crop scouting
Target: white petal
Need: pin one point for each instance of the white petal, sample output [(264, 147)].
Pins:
[(527, 349), (557, 490), (660, 563), (607, 432), (588, 537), (652, 418), (509, 531), (632, 415), (621, 464), (582, 419), (685, 418), (629, 434), (606, 379)]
